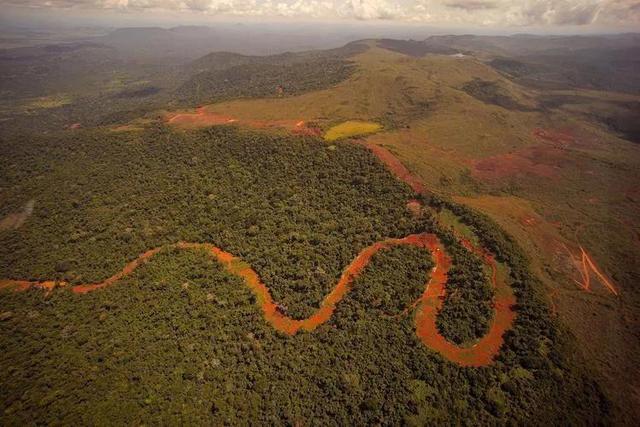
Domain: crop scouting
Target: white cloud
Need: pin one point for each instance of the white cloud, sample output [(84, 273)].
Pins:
[(372, 9), (559, 12), (469, 12)]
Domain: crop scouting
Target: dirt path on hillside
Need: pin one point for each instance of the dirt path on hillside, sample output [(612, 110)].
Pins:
[(396, 167), (202, 117), (586, 266), (429, 304)]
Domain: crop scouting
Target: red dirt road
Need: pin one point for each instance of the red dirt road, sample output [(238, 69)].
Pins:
[(396, 167), (586, 266), (203, 117), (430, 303)]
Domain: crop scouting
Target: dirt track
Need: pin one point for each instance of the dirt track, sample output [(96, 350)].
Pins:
[(429, 304), (203, 118), (396, 167), (586, 266)]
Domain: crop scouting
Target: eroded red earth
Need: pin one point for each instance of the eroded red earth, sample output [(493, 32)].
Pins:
[(415, 207), (586, 267), (543, 160), (203, 117), (485, 349), (396, 167)]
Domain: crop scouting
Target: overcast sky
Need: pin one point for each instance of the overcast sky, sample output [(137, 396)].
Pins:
[(608, 14)]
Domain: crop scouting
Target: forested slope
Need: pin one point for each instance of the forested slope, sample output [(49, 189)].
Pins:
[(182, 341)]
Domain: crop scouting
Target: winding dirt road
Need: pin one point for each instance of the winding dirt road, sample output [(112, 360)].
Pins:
[(485, 349), (429, 303)]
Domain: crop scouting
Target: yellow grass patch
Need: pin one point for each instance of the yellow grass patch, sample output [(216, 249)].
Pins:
[(351, 128)]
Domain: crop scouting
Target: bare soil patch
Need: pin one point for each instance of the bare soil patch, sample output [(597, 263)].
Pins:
[(544, 160), (539, 160), (415, 207), (16, 219), (396, 167), (561, 137), (203, 117)]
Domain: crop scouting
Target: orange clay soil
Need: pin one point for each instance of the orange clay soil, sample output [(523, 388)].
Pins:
[(586, 266), (544, 160), (430, 302), (395, 166), (203, 117), (415, 207), (483, 351)]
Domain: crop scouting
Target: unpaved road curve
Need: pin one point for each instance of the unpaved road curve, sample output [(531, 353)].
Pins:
[(485, 349), (430, 302)]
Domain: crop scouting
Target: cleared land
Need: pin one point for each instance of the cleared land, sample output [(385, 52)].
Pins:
[(351, 129), (204, 117)]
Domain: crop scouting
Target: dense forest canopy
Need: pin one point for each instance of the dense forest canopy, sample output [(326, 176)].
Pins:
[(182, 341)]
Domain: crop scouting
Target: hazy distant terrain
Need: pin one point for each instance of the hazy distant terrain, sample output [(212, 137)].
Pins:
[(306, 164)]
